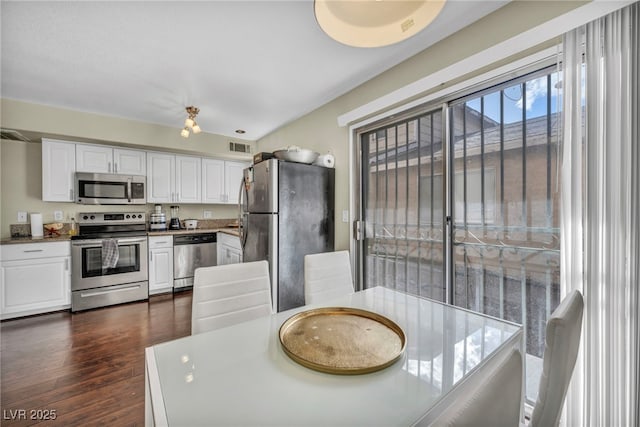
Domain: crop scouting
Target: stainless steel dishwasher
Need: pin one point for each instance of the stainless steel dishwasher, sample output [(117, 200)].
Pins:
[(191, 251)]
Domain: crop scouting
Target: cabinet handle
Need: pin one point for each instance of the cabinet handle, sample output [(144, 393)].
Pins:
[(115, 167), (109, 167), (66, 265), (34, 250), (71, 194), (151, 256)]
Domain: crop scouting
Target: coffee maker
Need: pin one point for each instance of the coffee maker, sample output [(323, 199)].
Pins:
[(175, 220)]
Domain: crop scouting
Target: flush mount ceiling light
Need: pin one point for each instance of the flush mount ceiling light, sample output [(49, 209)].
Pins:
[(374, 23), (190, 124)]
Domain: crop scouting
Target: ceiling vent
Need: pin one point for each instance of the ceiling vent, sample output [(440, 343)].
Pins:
[(13, 135), (236, 147)]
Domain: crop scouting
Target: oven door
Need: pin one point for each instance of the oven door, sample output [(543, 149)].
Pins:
[(89, 271)]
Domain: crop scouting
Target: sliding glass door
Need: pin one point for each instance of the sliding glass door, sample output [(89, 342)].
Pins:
[(402, 195), (474, 222)]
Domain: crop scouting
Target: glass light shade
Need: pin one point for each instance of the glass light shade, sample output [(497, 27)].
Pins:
[(184, 133), (371, 23), (188, 123), (196, 128)]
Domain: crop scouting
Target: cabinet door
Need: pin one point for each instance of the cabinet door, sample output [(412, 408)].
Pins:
[(58, 170), (160, 178), (34, 286), (160, 270), (94, 158), (188, 179), (130, 162), (234, 256), (233, 178), (213, 189)]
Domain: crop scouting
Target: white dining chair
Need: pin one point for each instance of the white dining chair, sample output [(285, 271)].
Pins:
[(327, 275), (559, 358), (228, 294), (494, 398)]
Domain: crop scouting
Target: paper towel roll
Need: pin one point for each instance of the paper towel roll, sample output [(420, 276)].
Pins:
[(36, 225), (326, 160)]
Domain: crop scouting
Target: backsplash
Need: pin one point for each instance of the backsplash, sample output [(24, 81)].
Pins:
[(24, 230)]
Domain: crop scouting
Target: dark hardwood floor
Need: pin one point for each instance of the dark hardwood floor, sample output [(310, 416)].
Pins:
[(85, 368)]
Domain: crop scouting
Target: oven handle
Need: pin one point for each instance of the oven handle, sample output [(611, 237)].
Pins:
[(96, 242)]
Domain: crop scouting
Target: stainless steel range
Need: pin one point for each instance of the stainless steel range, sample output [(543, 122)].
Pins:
[(109, 259)]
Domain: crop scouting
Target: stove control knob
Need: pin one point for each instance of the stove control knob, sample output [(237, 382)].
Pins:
[(93, 217), (128, 216), (140, 216), (85, 217)]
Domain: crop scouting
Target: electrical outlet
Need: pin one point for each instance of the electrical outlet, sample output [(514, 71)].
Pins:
[(345, 216), (22, 217), (207, 214), (58, 215)]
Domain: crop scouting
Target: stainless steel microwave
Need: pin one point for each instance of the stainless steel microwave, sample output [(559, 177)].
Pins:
[(110, 189)]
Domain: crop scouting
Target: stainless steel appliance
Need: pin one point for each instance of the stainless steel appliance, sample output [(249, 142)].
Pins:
[(109, 260), (286, 212), (191, 251), (110, 189)]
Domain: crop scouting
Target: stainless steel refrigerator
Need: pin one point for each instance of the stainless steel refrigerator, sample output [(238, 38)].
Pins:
[(286, 212)]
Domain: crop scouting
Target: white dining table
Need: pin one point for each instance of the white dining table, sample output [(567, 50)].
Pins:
[(241, 376)]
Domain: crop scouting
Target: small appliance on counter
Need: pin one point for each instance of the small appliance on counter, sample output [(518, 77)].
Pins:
[(175, 218), (158, 220), (190, 224)]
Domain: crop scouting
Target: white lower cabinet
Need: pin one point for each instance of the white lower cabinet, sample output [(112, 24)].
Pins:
[(160, 264), (229, 250), (34, 278)]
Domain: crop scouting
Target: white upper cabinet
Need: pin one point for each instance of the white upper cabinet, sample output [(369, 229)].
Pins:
[(221, 180), (130, 162), (188, 179), (161, 178), (58, 170), (213, 189), (103, 159), (233, 178), (172, 179)]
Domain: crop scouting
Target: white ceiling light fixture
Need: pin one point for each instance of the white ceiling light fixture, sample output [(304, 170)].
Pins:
[(374, 23), (190, 124)]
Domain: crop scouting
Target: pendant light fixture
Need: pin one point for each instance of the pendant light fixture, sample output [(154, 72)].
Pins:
[(190, 124), (374, 23)]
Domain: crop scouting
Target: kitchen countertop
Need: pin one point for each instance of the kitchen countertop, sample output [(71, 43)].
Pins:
[(29, 239), (15, 240)]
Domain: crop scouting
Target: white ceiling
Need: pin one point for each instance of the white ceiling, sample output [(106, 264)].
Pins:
[(252, 65)]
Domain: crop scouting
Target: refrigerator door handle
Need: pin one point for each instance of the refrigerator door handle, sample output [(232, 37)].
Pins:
[(241, 211)]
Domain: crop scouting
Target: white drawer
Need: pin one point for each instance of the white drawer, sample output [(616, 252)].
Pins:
[(160, 242), (20, 251)]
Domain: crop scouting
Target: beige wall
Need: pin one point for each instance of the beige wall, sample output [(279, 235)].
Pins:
[(319, 131), (21, 162)]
